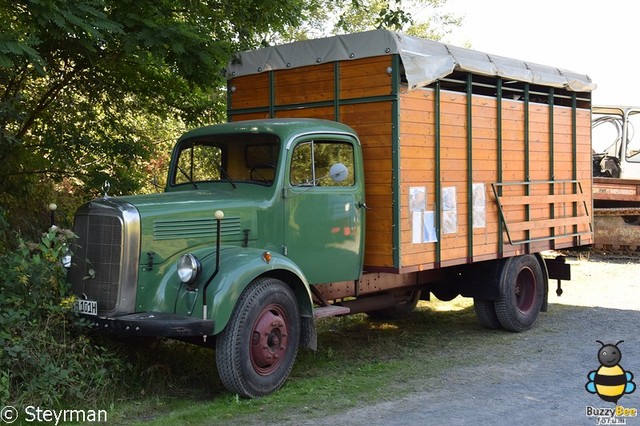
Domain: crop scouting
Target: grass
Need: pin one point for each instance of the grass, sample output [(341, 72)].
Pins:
[(359, 360)]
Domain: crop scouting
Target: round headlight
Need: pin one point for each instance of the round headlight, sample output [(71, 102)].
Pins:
[(66, 260), (188, 268)]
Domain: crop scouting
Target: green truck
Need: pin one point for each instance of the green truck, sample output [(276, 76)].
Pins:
[(357, 173)]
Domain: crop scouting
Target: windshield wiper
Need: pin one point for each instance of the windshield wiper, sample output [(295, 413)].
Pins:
[(188, 177), (224, 175)]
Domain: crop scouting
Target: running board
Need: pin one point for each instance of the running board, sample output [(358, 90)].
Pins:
[(330, 311)]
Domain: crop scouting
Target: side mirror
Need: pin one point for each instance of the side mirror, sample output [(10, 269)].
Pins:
[(338, 172)]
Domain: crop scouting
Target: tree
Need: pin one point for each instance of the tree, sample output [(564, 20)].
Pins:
[(422, 18), (99, 89), (87, 86)]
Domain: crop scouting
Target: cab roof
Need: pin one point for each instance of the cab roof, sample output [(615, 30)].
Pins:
[(284, 128)]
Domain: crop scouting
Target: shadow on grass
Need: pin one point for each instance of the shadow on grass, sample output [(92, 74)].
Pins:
[(359, 360)]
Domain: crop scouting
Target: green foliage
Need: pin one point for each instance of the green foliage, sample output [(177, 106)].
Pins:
[(87, 88), (45, 357), (422, 18), (98, 89)]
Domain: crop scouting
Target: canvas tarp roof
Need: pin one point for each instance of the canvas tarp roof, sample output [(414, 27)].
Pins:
[(425, 61)]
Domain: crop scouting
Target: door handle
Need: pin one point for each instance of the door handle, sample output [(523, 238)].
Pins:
[(361, 204)]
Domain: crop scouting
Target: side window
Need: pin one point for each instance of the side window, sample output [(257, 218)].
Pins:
[(322, 163), (607, 134), (199, 163), (633, 138)]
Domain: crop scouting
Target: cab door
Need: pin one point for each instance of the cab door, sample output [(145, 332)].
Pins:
[(324, 208)]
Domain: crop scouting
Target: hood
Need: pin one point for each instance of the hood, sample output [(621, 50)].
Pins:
[(172, 223)]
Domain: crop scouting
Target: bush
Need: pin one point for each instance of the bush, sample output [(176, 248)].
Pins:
[(46, 356)]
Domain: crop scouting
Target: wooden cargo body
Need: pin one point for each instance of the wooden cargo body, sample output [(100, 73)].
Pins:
[(467, 168)]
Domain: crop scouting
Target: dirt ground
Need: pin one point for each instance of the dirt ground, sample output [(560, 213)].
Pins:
[(541, 374)]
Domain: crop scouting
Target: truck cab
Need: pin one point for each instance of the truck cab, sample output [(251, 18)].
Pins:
[(275, 203), (616, 141)]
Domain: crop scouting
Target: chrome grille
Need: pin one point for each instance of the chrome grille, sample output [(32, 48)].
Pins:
[(96, 264), (105, 257)]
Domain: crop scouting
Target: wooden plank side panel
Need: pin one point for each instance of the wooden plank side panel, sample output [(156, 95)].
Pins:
[(365, 77), (454, 172), (304, 85), (417, 166), (326, 113), (584, 168), (418, 157), (563, 141), (250, 116), (564, 164), (485, 171), (251, 91), (373, 123)]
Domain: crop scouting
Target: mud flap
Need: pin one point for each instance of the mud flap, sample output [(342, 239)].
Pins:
[(557, 269)]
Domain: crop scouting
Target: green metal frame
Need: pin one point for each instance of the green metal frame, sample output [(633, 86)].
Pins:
[(438, 189), (552, 172), (395, 155), (499, 159), (574, 155), (469, 91), (527, 158)]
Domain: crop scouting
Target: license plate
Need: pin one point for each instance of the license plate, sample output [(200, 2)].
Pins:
[(88, 307)]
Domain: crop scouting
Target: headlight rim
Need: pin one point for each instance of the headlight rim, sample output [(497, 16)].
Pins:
[(193, 266)]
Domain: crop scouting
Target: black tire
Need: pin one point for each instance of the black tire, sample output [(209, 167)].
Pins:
[(256, 350), (404, 305), (522, 290), (486, 313)]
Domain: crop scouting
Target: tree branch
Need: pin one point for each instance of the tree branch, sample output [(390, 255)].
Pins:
[(46, 100)]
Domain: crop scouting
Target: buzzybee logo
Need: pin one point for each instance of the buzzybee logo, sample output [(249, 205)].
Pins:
[(610, 381)]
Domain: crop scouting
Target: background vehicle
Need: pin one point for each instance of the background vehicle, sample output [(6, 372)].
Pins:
[(616, 182), (452, 172)]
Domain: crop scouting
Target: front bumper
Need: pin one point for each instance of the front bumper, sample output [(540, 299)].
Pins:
[(153, 324)]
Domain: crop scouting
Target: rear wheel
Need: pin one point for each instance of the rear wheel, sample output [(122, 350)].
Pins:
[(522, 289), (486, 313), (257, 349)]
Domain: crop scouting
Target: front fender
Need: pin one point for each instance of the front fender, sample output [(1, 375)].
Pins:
[(238, 268)]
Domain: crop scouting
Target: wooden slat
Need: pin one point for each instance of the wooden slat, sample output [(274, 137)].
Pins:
[(548, 223), (543, 199), (305, 84)]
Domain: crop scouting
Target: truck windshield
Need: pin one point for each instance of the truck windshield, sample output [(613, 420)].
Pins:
[(607, 134), (633, 138), (230, 158)]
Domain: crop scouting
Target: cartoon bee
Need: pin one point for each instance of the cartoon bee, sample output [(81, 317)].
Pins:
[(610, 381)]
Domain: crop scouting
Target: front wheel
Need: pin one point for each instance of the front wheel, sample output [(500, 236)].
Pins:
[(522, 286), (256, 350)]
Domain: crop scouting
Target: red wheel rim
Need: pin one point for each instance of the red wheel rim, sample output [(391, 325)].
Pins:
[(525, 290), (269, 339)]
